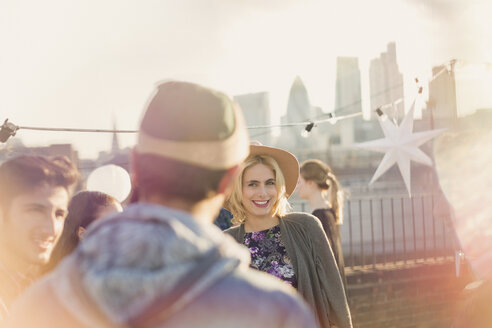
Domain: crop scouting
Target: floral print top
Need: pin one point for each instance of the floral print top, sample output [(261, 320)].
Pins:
[(268, 254)]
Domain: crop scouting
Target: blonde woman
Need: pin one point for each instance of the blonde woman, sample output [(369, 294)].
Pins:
[(320, 187), (292, 247)]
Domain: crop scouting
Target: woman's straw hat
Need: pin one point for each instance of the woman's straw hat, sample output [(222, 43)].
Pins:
[(286, 161)]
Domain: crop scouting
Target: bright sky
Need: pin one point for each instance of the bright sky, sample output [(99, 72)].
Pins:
[(79, 64)]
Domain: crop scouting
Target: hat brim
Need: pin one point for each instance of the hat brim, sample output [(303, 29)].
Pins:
[(286, 161)]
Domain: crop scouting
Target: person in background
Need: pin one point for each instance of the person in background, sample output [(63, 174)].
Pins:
[(84, 208), (319, 186), (34, 195), (161, 262), (224, 220), (292, 247)]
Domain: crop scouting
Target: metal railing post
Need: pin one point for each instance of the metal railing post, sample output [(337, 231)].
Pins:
[(404, 234), (423, 227), (350, 234), (372, 236), (393, 226), (414, 232), (382, 231), (361, 234)]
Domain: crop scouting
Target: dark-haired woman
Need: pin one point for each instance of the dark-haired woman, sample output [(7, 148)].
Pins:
[(85, 207)]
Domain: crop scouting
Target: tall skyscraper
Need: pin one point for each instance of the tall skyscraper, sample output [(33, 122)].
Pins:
[(347, 98), (256, 111), (348, 92), (299, 109), (441, 108), (386, 82)]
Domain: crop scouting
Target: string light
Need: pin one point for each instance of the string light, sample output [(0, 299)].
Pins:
[(307, 129), (417, 101), (9, 129)]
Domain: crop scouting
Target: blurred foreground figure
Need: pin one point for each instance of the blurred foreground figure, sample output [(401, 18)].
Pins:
[(34, 195), (84, 208), (463, 163), (161, 262)]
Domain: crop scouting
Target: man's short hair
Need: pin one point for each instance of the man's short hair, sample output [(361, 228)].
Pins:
[(23, 173), (172, 179), (188, 138)]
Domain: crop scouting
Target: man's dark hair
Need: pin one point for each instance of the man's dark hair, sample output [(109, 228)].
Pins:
[(173, 179), (23, 173)]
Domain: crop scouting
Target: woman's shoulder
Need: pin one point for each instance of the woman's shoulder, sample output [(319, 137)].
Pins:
[(232, 229), (324, 212), (296, 216), (299, 218), (234, 232)]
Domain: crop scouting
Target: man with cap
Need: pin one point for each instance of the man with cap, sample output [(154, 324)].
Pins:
[(162, 262)]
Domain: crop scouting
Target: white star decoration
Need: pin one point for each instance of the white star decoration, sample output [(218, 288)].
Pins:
[(400, 146)]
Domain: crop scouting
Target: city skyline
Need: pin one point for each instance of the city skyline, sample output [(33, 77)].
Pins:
[(68, 65)]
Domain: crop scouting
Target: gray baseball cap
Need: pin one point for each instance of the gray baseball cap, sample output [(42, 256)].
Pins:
[(195, 125)]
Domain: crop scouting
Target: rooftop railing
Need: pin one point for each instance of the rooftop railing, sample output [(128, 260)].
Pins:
[(396, 230)]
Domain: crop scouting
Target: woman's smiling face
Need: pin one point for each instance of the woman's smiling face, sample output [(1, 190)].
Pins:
[(259, 193)]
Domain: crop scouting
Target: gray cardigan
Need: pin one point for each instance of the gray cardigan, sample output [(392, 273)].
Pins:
[(318, 278)]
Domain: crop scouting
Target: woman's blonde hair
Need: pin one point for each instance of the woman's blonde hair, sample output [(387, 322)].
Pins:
[(321, 174), (234, 202)]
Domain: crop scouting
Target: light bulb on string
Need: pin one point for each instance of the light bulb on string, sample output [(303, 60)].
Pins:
[(307, 129), (381, 114), (7, 130)]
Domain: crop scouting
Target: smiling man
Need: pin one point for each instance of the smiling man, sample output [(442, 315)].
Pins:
[(34, 196)]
